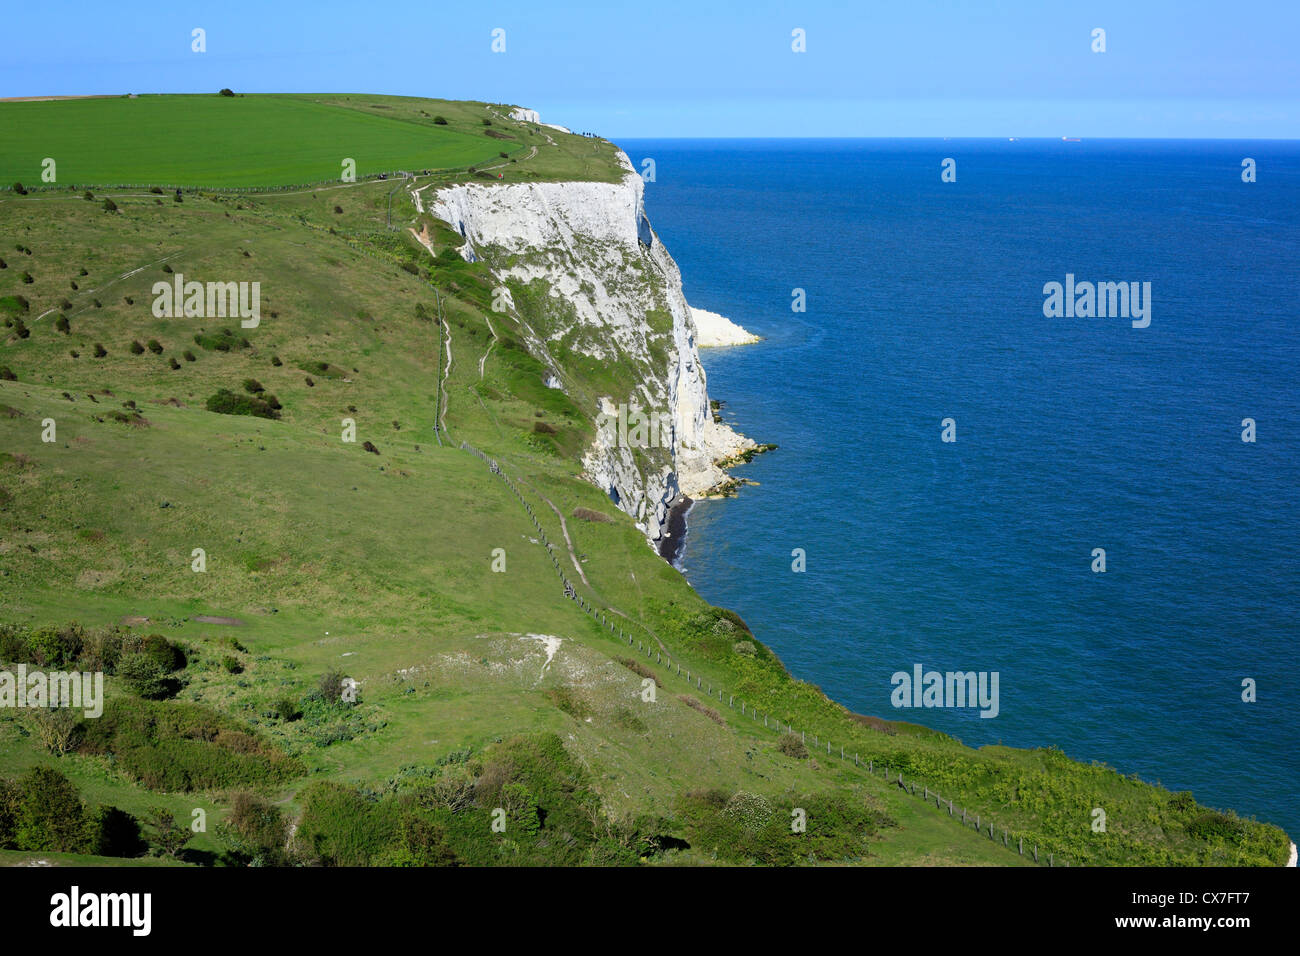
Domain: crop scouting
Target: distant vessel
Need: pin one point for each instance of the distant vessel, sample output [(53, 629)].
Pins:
[(1071, 139)]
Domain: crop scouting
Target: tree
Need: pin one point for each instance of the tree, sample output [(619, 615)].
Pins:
[(226, 92), (166, 833), (50, 814), (144, 675)]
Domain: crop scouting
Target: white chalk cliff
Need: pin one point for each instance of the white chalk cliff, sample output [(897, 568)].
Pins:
[(610, 291)]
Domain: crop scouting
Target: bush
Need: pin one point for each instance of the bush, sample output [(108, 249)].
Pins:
[(148, 678), (27, 278), (113, 832), (792, 746), (255, 832), (226, 402), (100, 351), (370, 447), (168, 836), (222, 341), (18, 188), (157, 190), (287, 709), (704, 709), (176, 746), (48, 814), (136, 347), (275, 360), (61, 324), (226, 91), (440, 120), (637, 667), (155, 346), (7, 374), (232, 665), (173, 363), (253, 386), (21, 329), (338, 827), (188, 356), (109, 205)]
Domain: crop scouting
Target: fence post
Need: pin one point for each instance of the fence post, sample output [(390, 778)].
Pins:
[(1035, 854), (1022, 846)]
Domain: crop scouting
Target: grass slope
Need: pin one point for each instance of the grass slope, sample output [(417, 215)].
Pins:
[(331, 558)]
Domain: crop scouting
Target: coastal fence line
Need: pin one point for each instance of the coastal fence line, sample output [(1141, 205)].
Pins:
[(982, 824)]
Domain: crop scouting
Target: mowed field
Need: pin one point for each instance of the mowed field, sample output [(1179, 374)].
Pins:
[(255, 140)]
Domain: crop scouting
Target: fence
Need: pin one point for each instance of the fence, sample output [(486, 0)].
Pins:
[(981, 824)]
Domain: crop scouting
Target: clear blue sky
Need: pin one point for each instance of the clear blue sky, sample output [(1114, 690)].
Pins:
[(1194, 68)]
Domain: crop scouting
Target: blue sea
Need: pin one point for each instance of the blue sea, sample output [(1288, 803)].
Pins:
[(924, 301)]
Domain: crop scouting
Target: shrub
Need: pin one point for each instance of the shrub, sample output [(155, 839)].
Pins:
[(275, 360), (637, 667), (226, 402), (370, 447), (188, 356), (157, 190), (440, 120), (177, 746), (226, 91), (330, 687), (136, 347), (232, 664), (113, 832), (287, 709), (171, 657), (792, 746), (338, 210), (18, 188), (61, 324), (253, 386), (255, 831), (167, 268), (48, 813), (109, 205), (100, 351), (339, 827), (144, 675), (167, 835), (27, 278), (155, 346), (21, 329), (173, 363), (704, 709)]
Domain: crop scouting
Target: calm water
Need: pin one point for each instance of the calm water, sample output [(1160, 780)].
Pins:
[(924, 301)]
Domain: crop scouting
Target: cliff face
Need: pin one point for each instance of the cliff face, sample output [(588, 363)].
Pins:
[(589, 280)]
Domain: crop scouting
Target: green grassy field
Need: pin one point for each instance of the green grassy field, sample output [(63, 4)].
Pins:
[(324, 557), (257, 140)]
